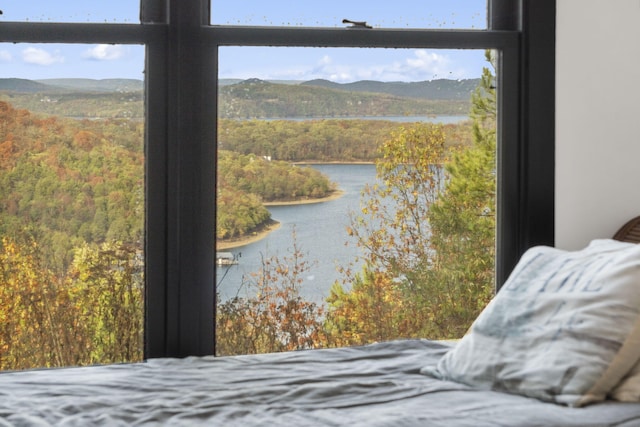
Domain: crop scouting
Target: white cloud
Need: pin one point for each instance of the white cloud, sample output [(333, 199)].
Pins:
[(349, 65), (105, 52), (325, 60), (421, 65), (5, 56), (32, 55), (430, 63)]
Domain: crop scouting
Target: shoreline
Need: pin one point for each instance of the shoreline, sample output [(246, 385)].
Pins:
[(333, 196), (273, 225)]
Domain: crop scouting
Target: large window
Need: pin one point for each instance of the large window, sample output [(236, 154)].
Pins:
[(339, 219), (72, 210), (185, 46)]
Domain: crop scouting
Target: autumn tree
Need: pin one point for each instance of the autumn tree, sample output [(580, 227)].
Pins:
[(373, 309), (273, 316), (463, 219), (392, 229), (427, 229), (40, 325), (106, 284)]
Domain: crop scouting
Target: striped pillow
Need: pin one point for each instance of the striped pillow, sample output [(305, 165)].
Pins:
[(564, 328)]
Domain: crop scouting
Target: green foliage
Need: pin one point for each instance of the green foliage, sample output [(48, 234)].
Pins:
[(260, 99), (71, 221), (123, 98), (93, 314), (245, 182), (463, 218), (85, 104), (106, 284), (373, 309), (270, 180), (316, 140), (70, 181), (392, 226), (429, 234)]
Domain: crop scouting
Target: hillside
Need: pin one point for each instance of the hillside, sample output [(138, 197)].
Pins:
[(256, 98), (253, 98), (24, 86), (433, 89), (104, 85)]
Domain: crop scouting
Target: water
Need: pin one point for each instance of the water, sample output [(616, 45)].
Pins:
[(320, 230), (444, 119), (320, 233)]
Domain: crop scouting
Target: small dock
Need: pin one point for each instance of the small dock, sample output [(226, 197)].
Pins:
[(225, 258)]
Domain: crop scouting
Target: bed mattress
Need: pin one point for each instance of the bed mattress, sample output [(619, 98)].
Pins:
[(373, 385)]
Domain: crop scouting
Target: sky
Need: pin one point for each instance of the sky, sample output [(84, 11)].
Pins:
[(42, 61)]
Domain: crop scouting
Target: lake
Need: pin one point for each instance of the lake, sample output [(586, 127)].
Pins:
[(320, 233), (320, 230), (444, 119)]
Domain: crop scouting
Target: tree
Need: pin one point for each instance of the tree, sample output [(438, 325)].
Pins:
[(275, 318), (428, 234), (40, 326), (107, 287), (372, 310), (392, 228), (463, 217)]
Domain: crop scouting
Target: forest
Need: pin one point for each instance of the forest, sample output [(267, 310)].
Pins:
[(246, 99), (72, 232), (319, 140)]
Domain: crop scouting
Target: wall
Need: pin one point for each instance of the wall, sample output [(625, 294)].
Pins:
[(597, 118)]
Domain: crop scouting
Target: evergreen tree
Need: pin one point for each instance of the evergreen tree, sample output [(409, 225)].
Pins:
[(428, 230)]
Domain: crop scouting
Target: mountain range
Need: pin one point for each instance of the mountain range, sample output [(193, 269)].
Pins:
[(248, 99), (429, 89)]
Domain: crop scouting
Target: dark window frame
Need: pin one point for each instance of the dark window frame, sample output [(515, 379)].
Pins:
[(181, 98)]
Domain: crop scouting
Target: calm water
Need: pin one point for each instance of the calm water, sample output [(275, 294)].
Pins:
[(320, 232), (444, 119)]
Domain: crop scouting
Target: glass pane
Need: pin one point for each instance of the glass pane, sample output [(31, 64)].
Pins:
[(339, 171), (460, 14), (115, 11), (71, 205)]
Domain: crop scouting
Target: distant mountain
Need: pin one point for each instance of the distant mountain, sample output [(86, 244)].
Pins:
[(255, 98), (441, 89), (24, 86), (252, 98), (104, 85), (431, 89), (227, 82)]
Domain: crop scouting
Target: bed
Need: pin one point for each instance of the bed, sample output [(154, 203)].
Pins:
[(485, 379)]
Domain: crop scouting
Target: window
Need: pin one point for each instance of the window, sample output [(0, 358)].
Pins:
[(316, 228), (181, 62), (72, 212)]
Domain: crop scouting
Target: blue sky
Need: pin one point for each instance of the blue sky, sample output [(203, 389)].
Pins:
[(341, 65)]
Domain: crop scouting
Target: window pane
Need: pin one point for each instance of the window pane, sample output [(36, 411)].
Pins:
[(115, 11), (334, 206), (378, 14), (71, 206)]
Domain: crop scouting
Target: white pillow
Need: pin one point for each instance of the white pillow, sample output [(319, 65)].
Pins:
[(564, 327)]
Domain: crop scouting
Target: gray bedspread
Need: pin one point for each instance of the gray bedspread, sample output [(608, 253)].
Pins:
[(375, 385)]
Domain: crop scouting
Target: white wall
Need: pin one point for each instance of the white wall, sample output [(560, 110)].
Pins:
[(597, 118)]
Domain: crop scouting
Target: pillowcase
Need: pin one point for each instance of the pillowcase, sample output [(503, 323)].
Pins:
[(565, 327)]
